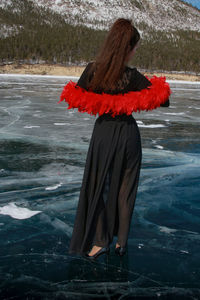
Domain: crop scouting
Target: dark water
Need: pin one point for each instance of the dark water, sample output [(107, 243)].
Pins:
[(43, 148)]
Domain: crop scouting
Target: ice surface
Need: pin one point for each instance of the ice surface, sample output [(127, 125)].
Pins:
[(43, 148)]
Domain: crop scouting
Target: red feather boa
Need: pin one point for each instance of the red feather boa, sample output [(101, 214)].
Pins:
[(93, 103)]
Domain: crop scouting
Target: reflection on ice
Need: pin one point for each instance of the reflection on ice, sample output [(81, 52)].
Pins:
[(175, 114), (62, 124), (151, 125), (31, 126), (53, 187), (159, 147)]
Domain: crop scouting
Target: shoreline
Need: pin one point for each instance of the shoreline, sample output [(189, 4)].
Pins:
[(76, 71), (77, 77)]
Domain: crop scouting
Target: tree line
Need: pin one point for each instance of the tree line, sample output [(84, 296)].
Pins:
[(43, 35)]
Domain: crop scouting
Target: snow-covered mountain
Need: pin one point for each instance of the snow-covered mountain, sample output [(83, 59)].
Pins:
[(156, 14), (161, 15)]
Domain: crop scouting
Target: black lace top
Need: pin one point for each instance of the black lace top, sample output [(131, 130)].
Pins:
[(132, 80)]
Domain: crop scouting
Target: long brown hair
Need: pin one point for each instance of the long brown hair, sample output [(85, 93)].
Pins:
[(110, 62)]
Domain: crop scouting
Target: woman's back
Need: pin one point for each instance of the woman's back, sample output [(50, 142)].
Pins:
[(131, 80)]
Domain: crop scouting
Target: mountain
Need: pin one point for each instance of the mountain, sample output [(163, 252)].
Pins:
[(71, 31), (159, 15)]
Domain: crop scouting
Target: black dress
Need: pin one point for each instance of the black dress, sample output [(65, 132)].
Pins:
[(111, 174)]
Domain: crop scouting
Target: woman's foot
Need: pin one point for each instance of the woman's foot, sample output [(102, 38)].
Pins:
[(117, 245), (120, 250), (94, 250), (97, 251)]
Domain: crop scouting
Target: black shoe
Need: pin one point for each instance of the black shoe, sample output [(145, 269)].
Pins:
[(120, 251), (98, 253)]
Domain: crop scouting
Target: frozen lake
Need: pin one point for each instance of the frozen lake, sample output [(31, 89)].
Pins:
[(43, 148)]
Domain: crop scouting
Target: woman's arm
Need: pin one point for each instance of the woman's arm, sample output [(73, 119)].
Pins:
[(85, 76), (166, 104), (139, 82)]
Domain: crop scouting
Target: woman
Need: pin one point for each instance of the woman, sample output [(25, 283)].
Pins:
[(110, 181)]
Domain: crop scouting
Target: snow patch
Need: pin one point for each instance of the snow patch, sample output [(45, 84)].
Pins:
[(17, 212)]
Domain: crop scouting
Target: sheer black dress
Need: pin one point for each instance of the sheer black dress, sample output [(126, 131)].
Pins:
[(111, 175)]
